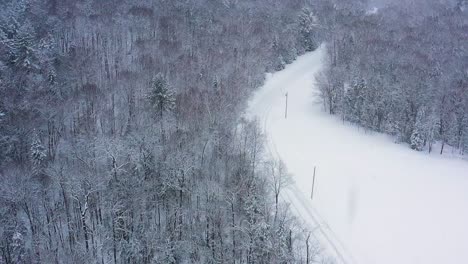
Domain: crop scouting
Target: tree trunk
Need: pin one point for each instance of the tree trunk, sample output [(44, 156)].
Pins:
[(233, 234), (85, 227), (114, 240), (67, 212)]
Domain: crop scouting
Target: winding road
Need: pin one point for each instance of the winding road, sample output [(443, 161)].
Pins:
[(375, 202), (298, 74)]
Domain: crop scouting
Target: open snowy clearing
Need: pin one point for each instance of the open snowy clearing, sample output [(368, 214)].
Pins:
[(374, 201)]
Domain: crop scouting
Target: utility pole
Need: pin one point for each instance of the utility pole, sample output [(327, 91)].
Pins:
[(286, 110), (313, 185)]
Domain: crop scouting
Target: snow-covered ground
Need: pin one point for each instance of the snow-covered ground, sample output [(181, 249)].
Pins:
[(375, 201)]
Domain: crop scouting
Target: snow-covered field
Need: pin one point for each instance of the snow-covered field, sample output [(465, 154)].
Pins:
[(375, 201)]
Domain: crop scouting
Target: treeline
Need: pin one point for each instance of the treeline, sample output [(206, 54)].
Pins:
[(120, 139), (400, 69)]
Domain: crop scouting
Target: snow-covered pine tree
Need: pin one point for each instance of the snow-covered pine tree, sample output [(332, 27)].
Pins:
[(22, 47), (417, 141), (354, 100), (281, 63), (19, 35), (38, 152), (161, 97), (307, 27)]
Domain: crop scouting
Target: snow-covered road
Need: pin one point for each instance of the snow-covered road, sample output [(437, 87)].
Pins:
[(374, 201)]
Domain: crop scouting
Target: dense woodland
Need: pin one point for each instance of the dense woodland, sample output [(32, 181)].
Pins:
[(121, 137), (401, 69), (121, 130)]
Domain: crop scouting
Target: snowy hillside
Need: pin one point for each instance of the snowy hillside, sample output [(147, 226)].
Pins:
[(379, 202)]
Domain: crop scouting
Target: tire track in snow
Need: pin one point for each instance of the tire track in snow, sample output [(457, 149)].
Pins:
[(310, 216)]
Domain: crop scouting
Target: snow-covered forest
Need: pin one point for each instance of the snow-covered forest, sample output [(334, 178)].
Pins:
[(120, 132), (124, 136), (399, 67)]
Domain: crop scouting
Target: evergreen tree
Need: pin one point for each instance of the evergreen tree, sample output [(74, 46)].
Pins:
[(161, 97), (38, 152), (307, 28), (23, 52), (354, 101), (19, 36), (417, 141)]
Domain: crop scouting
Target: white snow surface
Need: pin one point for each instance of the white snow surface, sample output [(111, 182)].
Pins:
[(375, 202)]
